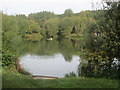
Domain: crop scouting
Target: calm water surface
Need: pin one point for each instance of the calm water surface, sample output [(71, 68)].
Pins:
[(54, 65), (60, 58), (49, 58)]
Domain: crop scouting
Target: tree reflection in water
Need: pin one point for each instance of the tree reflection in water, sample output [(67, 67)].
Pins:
[(68, 48)]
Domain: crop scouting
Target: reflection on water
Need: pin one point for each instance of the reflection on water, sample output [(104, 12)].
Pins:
[(61, 58), (49, 65)]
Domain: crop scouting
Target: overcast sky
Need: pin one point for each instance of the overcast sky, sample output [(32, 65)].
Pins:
[(57, 6)]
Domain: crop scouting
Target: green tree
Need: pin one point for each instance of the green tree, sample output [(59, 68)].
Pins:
[(66, 25), (68, 12), (52, 26)]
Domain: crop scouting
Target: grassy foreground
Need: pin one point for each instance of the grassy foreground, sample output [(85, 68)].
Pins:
[(13, 80)]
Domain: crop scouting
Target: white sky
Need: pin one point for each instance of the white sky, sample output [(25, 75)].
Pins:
[(57, 6)]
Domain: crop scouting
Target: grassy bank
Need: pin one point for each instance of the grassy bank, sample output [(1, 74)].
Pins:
[(16, 80)]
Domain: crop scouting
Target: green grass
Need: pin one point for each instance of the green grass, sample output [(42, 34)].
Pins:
[(15, 80)]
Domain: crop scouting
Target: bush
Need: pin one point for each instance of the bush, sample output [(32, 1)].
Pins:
[(7, 58)]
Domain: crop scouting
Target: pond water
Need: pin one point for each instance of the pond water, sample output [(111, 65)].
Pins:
[(46, 65), (49, 58), (60, 58)]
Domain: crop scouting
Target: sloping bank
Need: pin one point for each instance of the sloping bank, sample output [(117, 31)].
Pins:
[(16, 80)]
